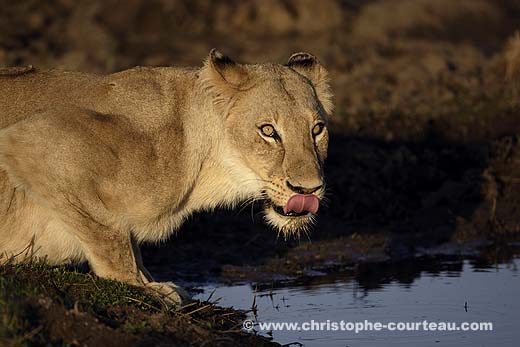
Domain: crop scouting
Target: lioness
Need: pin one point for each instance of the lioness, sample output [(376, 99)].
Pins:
[(91, 166)]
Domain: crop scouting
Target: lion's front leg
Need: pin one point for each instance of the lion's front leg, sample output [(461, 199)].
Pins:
[(112, 254), (108, 251)]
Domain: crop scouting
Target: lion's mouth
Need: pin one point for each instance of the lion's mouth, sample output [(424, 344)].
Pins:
[(298, 205), (280, 211)]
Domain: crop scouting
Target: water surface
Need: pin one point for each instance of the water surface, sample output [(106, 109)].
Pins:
[(451, 290)]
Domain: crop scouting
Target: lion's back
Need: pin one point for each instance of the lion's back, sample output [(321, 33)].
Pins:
[(27, 91), (148, 97)]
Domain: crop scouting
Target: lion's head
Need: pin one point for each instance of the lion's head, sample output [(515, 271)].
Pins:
[(276, 118)]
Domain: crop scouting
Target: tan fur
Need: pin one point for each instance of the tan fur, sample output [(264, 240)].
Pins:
[(90, 166)]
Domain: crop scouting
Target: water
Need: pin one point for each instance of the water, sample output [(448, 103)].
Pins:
[(456, 291)]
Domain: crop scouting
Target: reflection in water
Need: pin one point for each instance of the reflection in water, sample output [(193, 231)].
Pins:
[(438, 294)]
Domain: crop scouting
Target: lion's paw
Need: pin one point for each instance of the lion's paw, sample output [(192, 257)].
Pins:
[(169, 292)]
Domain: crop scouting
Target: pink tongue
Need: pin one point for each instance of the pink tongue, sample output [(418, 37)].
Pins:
[(302, 202)]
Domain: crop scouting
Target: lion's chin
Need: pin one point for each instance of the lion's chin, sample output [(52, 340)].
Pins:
[(288, 225)]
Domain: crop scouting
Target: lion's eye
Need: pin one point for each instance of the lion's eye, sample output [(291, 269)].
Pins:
[(318, 129), (268, 130)]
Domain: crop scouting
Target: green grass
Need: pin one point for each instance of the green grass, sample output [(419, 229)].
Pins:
[(71, 287), (21, 286), (38, 300)]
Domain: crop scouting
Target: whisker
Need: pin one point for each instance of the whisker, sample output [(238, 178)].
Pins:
[(325, 202), (243, 207), (253, 211), (255, 179), (328, 193), (306, 232)]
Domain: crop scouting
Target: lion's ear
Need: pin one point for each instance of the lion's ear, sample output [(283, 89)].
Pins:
[(223, 77), (309, 66)]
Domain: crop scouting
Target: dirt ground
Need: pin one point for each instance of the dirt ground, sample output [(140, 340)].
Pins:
[(424, 153)]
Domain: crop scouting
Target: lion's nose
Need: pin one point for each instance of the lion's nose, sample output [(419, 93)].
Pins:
[(302, 190)]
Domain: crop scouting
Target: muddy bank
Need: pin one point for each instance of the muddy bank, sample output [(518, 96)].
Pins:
[(44, 306)]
